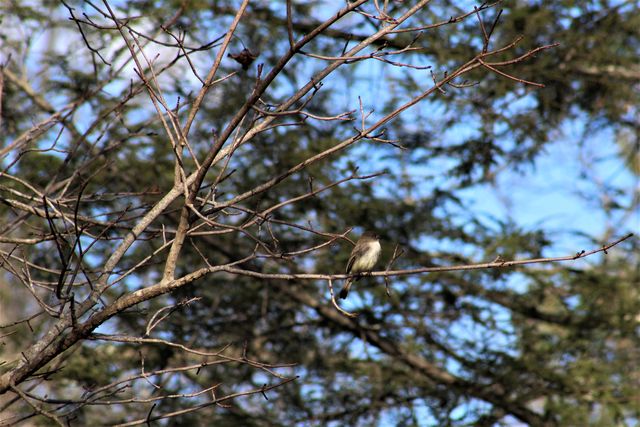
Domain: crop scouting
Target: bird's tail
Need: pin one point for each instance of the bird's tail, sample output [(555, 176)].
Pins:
[(345, 289)]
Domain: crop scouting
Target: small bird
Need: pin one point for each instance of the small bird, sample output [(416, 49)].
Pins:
[(363, 258)]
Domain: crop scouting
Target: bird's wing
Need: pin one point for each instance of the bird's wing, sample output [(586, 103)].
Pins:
[(350, 263), (357, 252)]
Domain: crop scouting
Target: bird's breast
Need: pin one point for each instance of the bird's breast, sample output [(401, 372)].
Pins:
[(368, 259)]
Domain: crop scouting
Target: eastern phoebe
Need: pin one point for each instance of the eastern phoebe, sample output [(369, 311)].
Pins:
[(363, 258)]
